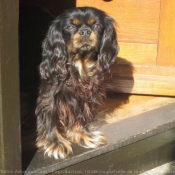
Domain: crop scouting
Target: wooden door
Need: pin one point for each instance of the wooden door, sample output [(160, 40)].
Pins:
[(10, 135), (146, 35)]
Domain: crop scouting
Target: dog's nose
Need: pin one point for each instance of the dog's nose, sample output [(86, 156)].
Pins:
[(85, 33)]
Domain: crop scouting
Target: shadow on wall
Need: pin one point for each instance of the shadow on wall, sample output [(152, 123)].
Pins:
[(120, 86)]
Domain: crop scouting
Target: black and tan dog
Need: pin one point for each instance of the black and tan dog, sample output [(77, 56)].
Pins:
[(78, 51)]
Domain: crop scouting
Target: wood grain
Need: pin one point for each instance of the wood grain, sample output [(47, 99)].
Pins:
[(144, 80), (166, 49), (137, 20), (157, 85), (118, 108), (127, 71), (138, 53), (10, 135)]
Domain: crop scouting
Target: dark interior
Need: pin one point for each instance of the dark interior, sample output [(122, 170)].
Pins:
[(34, 20)]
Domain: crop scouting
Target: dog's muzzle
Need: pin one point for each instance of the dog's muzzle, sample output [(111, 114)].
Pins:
[(85, 32)]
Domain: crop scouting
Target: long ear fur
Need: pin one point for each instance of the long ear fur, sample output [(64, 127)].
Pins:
[(109, 47), (54, 55)]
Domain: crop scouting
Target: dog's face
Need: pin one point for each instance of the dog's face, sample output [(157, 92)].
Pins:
[(83, 37), (83, 32)]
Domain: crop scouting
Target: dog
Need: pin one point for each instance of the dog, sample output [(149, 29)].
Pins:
[(79, 48)]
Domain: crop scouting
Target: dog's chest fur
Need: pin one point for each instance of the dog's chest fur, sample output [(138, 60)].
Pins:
[(84, 63), (82, 89), (82, 70)]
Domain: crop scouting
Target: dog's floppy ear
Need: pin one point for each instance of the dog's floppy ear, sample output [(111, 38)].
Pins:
[(54, 54), (109, 46)]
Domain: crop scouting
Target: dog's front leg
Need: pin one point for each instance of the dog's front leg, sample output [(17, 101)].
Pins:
[(50, 131)]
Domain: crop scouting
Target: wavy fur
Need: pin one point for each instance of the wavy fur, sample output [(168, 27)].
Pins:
[(72, 79)]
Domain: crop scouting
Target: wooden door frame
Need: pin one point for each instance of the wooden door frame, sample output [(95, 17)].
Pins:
[(10, 139)]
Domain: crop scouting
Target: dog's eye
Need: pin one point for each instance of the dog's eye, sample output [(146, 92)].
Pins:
[(97, 26), (70, 28)]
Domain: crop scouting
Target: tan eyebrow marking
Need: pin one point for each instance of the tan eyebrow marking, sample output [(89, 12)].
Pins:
[(76, 21), (91, 20)]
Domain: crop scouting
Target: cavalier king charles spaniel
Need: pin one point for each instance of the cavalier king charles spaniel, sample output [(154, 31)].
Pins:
[(80, 46)]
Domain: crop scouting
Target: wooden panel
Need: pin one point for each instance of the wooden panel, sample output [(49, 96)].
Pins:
[(135, 104), (137, 20), (138, 54), (145, 80), (126, 71), (166, 49), (10, 153), (154, 85)]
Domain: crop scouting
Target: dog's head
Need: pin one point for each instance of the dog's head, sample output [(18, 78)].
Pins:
[(82, 37)]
